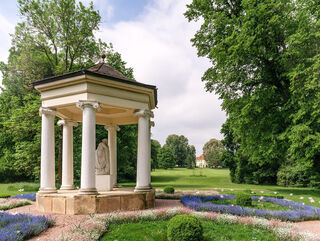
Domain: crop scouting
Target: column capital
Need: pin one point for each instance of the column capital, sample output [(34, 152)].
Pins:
[(67, 122), (47, 111), (86, 103), (144, 113), (112, 126)]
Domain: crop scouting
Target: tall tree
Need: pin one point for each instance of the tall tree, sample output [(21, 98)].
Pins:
[(191, 157), (265, 68), (55, 37), (212, 151), (166, 157), (155, 147), (179, 147)]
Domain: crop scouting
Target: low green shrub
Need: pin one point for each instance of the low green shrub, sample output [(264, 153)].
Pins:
[(168, 189), (4, 195), (185, 228), (248, 191), (243, 199)]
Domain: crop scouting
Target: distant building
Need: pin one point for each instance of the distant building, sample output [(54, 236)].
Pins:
[(201, 162)]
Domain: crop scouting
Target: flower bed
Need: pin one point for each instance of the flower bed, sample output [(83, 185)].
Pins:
[(299, 211), (22, 226), (29, 196), (8, 203), (96, 226)]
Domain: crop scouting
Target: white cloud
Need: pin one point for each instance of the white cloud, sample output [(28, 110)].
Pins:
[(6, 28), (105, 8), (157, 45)]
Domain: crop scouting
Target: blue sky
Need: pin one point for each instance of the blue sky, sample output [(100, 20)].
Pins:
[(153, 37)]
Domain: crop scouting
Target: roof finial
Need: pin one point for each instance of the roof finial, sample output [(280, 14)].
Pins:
[(103, 56)]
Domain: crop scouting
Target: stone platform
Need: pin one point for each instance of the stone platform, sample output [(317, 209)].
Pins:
[(70, 202)]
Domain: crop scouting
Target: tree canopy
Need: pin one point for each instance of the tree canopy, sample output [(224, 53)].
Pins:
[(54, 37), (212, 151), (184, 155), (165, 157), (265, 68)]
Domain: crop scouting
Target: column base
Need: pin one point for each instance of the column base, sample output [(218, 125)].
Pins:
[(143, 189), (115, 185), (86, 191), (67, 187), (45, 190)]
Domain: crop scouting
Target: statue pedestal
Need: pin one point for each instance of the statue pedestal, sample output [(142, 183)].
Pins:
[(104, 182)]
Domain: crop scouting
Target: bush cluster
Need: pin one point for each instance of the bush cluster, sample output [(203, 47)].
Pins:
[(168, 189), (185, 228), (243, 199)]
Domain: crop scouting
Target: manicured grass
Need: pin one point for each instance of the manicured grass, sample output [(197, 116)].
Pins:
[(156, 231), (219, 180), (255, 205), (13, 188)]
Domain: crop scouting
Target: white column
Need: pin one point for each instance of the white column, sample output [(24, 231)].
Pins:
[(112, 139), (143, 159), (47, 171), (151, 124), (67, 153), (88, 178)]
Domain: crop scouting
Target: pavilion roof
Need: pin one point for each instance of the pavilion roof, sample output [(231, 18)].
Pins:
[(101, 70)]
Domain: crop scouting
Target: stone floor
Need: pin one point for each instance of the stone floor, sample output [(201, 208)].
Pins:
[(70, 202)]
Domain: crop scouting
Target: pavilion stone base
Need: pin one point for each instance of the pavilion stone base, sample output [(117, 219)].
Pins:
[(72, 203), (104, 183)]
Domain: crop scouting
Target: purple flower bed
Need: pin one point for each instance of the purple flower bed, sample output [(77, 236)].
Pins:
[(22, 226), (299, 211), (29, 196)]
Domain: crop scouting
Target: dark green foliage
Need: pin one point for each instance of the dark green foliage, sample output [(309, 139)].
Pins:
[(265, 68), (165, 158), (243, 199), (155, 147), (168, 189), (185, 228), (54, 37), (191, 157), (212, 151), (184, 155), (3, 195)]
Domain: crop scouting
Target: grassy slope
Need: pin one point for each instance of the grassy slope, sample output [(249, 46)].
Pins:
[(156, 231), (219, 179)]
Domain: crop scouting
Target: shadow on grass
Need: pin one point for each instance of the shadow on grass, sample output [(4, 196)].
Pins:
[(164, 178)]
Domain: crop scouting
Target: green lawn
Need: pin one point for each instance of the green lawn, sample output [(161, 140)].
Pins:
[(186, 179), (13, 188), (219, 180), (157, 230)]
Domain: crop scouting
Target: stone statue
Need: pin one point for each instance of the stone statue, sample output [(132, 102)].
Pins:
[(103, 158)]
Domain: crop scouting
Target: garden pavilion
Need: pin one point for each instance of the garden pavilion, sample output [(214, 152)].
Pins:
[(103, 96)]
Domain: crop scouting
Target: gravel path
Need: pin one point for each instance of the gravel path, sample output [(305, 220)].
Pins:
[(310, 226), (65, 223)]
